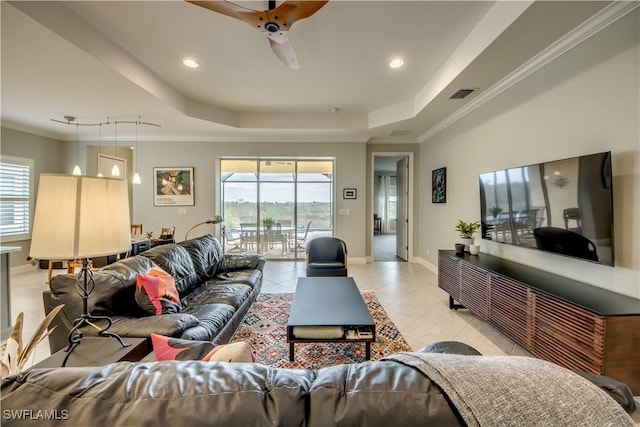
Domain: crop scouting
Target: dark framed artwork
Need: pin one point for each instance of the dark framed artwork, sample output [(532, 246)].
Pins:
[(173, 186), (439, 186), (349, 193)]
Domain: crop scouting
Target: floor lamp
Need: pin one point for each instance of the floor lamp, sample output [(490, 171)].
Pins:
[(80, 217), (215, 220)]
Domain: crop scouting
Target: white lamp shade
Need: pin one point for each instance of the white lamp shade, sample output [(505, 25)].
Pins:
[(80, 217)]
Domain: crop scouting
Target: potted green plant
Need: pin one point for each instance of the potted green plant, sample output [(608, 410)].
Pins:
[(495, 211), (268, 222), (467, 230)]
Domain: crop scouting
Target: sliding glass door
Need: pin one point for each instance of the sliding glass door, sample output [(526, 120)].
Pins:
[(274, 206)]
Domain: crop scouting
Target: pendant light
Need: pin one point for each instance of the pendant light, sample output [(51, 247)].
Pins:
[(76, 168), (136, 175), (115, 171), (99, 151)]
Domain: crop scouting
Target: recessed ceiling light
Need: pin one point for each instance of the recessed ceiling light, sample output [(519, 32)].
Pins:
[(396, 63), (190, 62)]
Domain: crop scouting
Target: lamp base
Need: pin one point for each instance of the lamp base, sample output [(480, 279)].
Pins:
[(75, 336), (84, 286)]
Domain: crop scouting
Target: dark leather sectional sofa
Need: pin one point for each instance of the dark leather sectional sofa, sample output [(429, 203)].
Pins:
[(196, 393), (216, 291)]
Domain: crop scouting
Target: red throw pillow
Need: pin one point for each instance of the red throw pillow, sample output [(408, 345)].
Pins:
[(156, 292), (166, 348)]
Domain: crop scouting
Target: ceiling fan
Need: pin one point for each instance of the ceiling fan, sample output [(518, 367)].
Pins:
[(275, 22)]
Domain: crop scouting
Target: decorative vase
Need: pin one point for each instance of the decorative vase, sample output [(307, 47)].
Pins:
[(459, 248), (467, 243), (474, 249)]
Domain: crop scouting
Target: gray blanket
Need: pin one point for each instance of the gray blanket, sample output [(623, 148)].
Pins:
[(516, 391)]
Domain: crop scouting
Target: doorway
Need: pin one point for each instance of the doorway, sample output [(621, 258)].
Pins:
[(391, 201)]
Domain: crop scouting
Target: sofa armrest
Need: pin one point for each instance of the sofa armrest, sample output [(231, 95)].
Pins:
[(450, 347), (234, 262), (170, 325), (617, 390)]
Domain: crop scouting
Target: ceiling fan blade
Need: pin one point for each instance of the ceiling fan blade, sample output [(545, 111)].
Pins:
[(273, 23), (255, 18), (281, 47), (291, 11)]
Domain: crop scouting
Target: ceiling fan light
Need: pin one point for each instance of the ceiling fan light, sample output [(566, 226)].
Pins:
[(115, 171), (136, 178), (190, 62)]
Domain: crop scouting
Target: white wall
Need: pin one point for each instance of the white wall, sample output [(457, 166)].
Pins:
[(204, 157), (586, 101)]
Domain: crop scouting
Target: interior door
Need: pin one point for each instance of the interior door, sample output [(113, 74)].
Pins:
[(402, 229)]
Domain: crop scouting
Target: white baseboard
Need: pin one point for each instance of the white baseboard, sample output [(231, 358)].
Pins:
[(426, 264)]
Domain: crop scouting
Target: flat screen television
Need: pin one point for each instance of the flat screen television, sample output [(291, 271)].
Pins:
[(563, 206)]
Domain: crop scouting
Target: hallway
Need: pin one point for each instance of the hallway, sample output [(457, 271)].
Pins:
[(384, 248)]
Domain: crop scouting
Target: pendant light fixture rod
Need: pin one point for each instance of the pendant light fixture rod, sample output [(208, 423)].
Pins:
[(136, 176), (99, 151), (70, 119), (76, 168)]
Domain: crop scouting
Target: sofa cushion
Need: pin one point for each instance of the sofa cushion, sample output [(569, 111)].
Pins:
[(205, 253), (188, 393), (175, 260), (233, 294), (212, 319), (156, 292), (246, 277), (377, 394), (129, 268), (113, 294), (173, 324), (166, 348), (235, 262)]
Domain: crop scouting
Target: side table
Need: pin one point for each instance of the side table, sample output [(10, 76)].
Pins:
[(98, 351), (139, 245)]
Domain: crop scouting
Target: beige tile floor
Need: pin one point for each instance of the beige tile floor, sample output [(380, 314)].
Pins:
[(408, 292)]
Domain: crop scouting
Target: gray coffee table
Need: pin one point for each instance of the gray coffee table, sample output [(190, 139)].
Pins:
[(329, 309)]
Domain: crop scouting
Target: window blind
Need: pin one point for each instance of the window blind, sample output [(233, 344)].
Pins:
[(15, 197)]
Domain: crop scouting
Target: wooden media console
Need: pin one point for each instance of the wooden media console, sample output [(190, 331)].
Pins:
[(567, 322)]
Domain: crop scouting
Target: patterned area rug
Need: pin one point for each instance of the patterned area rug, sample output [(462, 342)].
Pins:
[(265, 329)]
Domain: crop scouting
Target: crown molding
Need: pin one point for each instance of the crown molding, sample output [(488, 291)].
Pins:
[(598, 22), (29, 129)]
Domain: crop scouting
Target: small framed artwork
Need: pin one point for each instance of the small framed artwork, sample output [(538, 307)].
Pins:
[(439, 186), (173, 186), (349, 193)]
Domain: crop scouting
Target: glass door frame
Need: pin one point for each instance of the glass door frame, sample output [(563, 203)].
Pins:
[(297, 228)]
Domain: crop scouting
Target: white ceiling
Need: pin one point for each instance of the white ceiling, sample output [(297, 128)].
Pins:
[(122, 60)]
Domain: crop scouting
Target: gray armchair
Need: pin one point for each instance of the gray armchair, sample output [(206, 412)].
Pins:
[(326, 256)]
